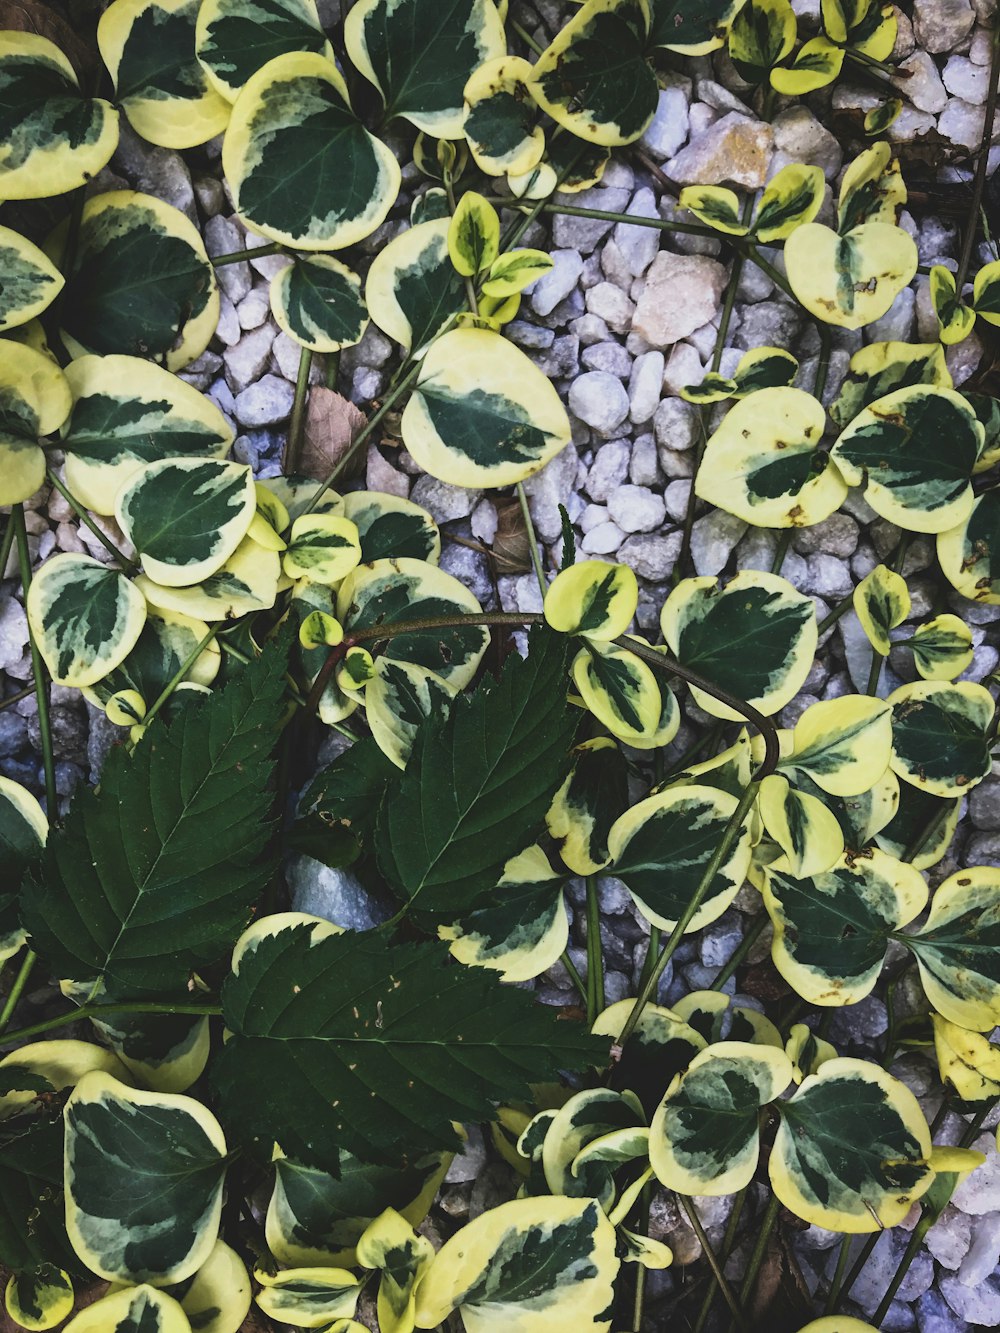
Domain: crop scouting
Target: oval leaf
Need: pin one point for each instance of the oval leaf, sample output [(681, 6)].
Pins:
[(236, 38), (29, 280), (85, 618), (941, 735), (318, 302), (850, 280)]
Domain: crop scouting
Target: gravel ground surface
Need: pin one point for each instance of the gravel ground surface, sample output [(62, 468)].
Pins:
[(626, 317)]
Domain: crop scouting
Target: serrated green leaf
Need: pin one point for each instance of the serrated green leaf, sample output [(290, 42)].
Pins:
[(144, 881), (493, 765), (375, 1047)]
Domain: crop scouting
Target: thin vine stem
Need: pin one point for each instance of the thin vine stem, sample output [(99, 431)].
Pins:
[(13, 699), (6, 546), (526, 37), (574, 975), (297, 421), (17, 990), (130, 566), (857, 1268), (37, 669), (759, 1250), (691, 1213), (100, 1011), (729, 837), (179, 675), (833, 1295), (728, 1243), (749, 939), (982, 166), (536, 557), (244, 256), (595, 954)]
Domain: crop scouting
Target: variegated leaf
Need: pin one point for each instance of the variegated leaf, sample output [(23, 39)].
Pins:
[(186, 516), (704, 1137), (791, 198), (167, 641), (842, 744), (957, 949), (473, 235), (852, 1152), (853, 279), (806, 831), (537, 1265), (831, 930), (871, 189), (941, 735), (942, 648), (587, 804), (236, 38), (317, 301), (619, 689), (29, 281), (593, 79), (883, 367), (755, 637), (85, 618), (412, 289), (881, 602), (500, 118), (970, 552), (661, 1047), (127, 412), (296, 109), (420, 56), (762, 36), (815, 65), (34, 402), (141, 282), (717, 207), (398, 698), (661, 847), (390, 527), (54, 139), (762, 463), (316, 1219), (920, 820), (955, 319), (323, 548), (246, 582), (895, 448), (391, 1246), (524, 930), (144, 1174), (592, 598), (148, 47), (691, 27), (140, 1309), (388, 592), (39, 1300), (308, 1297), (481, 414)]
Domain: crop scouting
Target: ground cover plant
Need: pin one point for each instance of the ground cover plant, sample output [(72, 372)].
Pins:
[(256, 1109)]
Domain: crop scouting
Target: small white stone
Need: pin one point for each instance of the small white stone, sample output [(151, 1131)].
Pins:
[(645, 386), (608, 470), (224, 237), (246, 360), (684, 367), (442, 501), (675, 425), (966, 80), (734, 148), (676, 498), (922, 83), (939, 25), (800, 137), (639, 245), (668, 130), (254, 308), (603, 539), (265, 403), (611, 304), (593, 516), (652, 556), (599, 400), (712, 540), (984, 1251), (636, 508), (227, 329), (556, 285), (682, 294), (644, 466)]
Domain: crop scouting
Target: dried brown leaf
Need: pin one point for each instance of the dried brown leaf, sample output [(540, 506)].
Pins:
[(332, 423), (511, 545)]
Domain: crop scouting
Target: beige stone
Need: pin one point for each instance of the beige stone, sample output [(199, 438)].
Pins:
[(734, 148), (682, 293)]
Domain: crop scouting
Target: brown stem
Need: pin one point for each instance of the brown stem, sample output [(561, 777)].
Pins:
[(979, 180)]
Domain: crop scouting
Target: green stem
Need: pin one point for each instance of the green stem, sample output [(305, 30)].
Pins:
[(713, 1260), (595, 954), (858, 1267), (823, 364), (100, 1011), (17, 990), (749, 939), (131, 566), (180, 673), (971, 1132), (704, 742), (728, 1242), (297, 421), (781, 550), (759, 1250), (605, 215), (982, 163), (874, 673), (525, 37), (574, 975), (927, 1219), (729, 837), (536, 558), (841, 609), (361, 438), (244, 256), (652, 949), (639, 1299), (838, 1275), (37, 669), (331, 370), (13, 699), (6, 545)]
